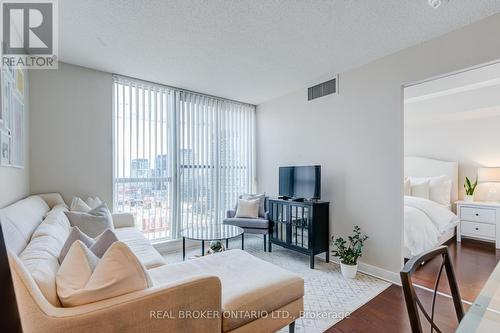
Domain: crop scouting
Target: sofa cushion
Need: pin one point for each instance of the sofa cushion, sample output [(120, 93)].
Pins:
[(248, 283), (247, 223), (40, 257), (140, 246), (83, 278), (20, 219)]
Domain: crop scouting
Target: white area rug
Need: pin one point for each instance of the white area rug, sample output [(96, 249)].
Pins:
[(328, 296)]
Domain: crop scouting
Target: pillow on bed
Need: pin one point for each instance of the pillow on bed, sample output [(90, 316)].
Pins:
[(420, 188), (407, 186), (439, 188)]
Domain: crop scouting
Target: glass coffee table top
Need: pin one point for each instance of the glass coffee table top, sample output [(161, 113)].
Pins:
[(212, 232)]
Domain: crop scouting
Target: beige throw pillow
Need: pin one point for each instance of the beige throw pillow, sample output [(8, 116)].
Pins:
[(93, 202), (78, 205), (83, 278), (248, 208)]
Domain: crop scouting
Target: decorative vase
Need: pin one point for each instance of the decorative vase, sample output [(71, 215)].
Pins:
[(348, 271), (468, 198)]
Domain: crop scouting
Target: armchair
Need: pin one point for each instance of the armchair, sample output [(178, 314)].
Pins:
[(258, 225)]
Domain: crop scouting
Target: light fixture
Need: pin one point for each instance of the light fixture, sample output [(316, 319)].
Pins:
[(436, 3), (489, 175)]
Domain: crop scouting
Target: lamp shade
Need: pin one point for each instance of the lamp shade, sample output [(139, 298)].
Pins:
[(486, 175)]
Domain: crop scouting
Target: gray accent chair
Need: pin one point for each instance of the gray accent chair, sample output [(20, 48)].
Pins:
[(259, 226)]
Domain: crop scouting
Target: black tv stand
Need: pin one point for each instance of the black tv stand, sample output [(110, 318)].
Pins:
[(300, 226), (284, 197), (298, 199)]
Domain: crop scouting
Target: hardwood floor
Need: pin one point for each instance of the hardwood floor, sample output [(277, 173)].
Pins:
[(473, 263), (387, 313)]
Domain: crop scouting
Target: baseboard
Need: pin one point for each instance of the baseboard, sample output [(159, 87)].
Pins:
[(377, 272), (383, 274)]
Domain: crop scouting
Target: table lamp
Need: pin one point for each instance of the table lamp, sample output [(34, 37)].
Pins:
[(489, 175)]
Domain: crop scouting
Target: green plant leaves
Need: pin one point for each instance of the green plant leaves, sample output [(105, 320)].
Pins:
[(349, 252), (469, 187)]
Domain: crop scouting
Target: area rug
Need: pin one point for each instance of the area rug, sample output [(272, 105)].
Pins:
[(329, 297)]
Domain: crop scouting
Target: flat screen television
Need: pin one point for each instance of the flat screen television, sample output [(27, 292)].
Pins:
[(300, 182)]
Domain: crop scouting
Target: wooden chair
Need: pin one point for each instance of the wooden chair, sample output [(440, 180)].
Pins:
[(413, 303)]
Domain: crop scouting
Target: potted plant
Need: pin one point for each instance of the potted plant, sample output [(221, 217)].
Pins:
[(215, 247), (469, 190), (349, 251)]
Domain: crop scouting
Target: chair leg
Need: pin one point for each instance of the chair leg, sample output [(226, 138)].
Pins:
[(265, 243), (291, 327)]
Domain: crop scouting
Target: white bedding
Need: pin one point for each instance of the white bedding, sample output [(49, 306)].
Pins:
[(424, 223)]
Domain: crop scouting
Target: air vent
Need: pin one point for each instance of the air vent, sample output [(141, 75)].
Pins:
[(322, 89)]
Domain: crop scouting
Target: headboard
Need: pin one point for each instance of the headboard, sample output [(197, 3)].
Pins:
[(428, 167)]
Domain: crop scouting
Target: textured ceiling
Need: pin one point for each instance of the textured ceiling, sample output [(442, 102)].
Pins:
[(250, 50)]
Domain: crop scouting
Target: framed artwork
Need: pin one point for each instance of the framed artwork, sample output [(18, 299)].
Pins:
[(1, 99), (6, 101), (10, 71), (20, 81), (17, 137), (5, 149)]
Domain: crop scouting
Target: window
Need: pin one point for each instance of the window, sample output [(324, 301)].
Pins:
[(180, 158)]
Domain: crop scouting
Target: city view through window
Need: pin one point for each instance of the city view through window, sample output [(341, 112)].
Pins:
[(180, 159)]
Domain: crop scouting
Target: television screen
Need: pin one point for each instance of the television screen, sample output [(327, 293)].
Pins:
[(300, 182)]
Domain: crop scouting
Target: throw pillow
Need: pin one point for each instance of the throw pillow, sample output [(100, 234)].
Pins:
[(75, 235), (78, 205), (420, 189), (103, 242), (98, 246), (93, 202), (248, 208), (262, 202), (92, 223), (83, 278), (407, 186), (439, 188)]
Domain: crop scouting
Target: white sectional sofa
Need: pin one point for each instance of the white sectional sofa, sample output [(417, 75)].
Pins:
[(228, 292)]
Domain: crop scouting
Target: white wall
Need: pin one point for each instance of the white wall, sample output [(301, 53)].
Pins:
[(472, 142), (14, 182), (357, 136), (71, 132)]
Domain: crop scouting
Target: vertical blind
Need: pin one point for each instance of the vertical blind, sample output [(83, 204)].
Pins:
[(180, 158)]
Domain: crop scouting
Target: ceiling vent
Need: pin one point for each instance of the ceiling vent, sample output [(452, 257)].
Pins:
[(323, 89)]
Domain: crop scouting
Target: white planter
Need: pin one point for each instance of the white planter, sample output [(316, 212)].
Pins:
[(468, 198), (348, 271)]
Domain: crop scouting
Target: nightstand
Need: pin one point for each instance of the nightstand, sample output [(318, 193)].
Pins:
[(479, 220)]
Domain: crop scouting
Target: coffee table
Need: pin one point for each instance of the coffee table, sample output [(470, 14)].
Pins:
[(211, 232)]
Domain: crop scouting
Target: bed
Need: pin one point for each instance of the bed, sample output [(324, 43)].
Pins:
[(429, 221)]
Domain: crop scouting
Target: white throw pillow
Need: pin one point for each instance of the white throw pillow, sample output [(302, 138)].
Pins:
[(83, 278), (420, 188), (248, 208), (407, 186), (439, 188), (93, 202), (78, 205)]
